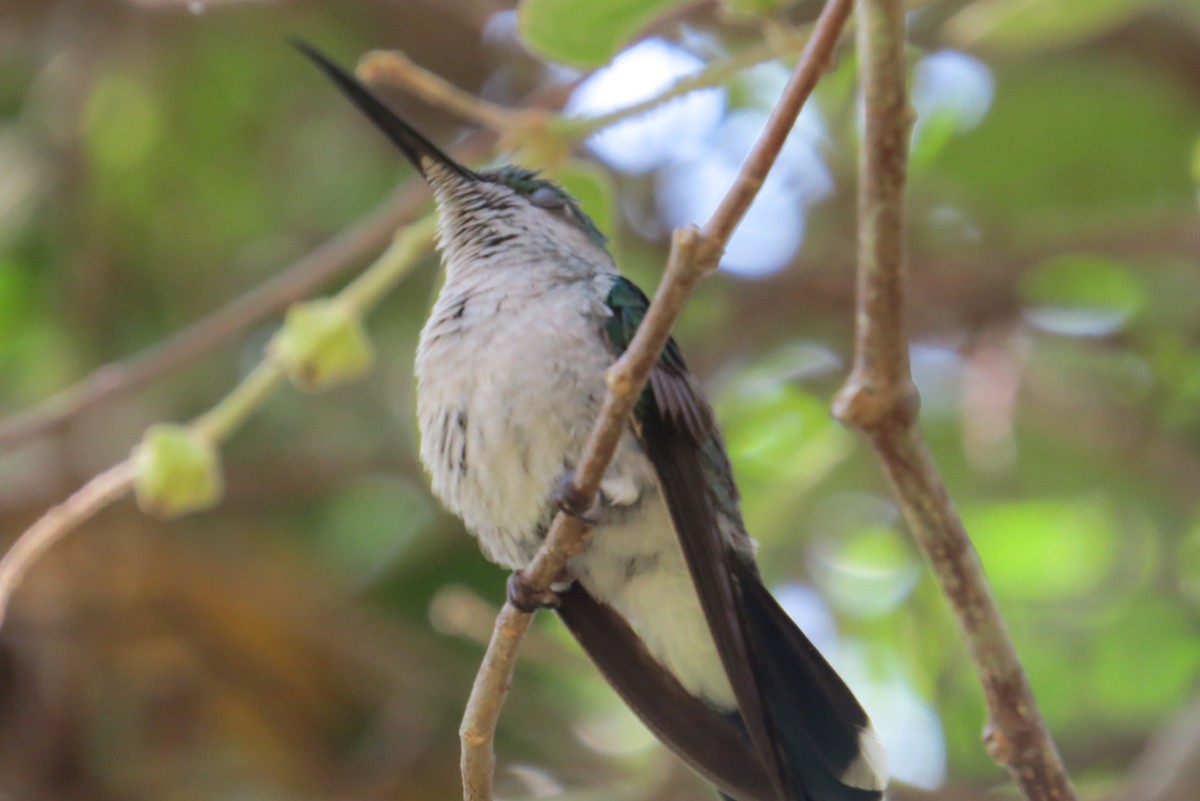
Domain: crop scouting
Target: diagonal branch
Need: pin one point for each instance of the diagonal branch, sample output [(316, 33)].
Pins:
[(101, 491), (694, 253), (717, 73), (395, 68), (295, 282), (305, 276), (880, 399), (215, 425)]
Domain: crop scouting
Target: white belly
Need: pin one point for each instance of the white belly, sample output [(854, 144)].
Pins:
[(501, 425), (502, 409), (637, 567)]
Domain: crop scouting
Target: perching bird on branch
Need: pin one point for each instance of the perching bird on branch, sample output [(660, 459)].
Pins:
[(666, 598)]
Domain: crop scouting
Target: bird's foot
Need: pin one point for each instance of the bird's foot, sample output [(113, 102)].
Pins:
[(528, 598), (568, 498)]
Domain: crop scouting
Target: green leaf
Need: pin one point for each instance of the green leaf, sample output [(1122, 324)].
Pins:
[(123, 123), (1022, 25), (175, 472), (754, 8), (1044, 550), (1096, 293), (781, 441), (585, 33), (772, 431), (1054, 157), (869, 570), (1147, 662), (367, 525)]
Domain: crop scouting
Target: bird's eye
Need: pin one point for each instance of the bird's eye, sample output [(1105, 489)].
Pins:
[(546, 198)]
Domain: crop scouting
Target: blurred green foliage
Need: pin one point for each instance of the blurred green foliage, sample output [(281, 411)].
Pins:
[(583, 33), (316, 634)]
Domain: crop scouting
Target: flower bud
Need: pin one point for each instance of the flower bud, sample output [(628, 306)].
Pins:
[(321, 344), (176, 472)]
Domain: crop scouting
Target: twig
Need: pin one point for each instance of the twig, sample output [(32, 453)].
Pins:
[(714, 74), (216, 425), (308, 274), (814, 61), (295, 282), (879, 399), (100, 492), (693, 254), (395, 68)]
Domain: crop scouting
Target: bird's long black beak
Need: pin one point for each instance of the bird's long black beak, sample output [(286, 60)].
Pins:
[(419, 150)]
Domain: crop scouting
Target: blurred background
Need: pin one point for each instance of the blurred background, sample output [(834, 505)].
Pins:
[(315, 635)]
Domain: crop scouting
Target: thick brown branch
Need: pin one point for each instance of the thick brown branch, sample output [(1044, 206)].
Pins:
[(880, 384), (693, 254), (1016, 736), (879, 398)]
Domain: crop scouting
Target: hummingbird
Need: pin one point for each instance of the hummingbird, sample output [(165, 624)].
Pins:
[(666, 599)]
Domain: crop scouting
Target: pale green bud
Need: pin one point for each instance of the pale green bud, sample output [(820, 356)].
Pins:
[(176, 472), (321, 344)]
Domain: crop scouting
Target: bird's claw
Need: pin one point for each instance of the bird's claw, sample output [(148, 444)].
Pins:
[(569, 499), (528, 598)]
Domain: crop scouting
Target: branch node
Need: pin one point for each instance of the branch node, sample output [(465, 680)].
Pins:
[(472, 739), (880, 399), (998, 745), (708, 253), (618, 378), (869, 405)]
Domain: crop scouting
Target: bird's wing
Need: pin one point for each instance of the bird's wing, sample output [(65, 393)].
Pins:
[(809, 730), (710, 742)]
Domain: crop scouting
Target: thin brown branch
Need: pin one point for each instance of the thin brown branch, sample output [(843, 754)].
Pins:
[(487, 699), (716, 73), (880, 399), (295, 282), (102, 490), (395, 68), (814, 61), (214, 426), (309, 273), (694, 253)]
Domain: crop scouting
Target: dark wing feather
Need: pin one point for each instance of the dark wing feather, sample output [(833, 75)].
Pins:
[(814, 716), (708, 741), (799, 716), (683, 482)]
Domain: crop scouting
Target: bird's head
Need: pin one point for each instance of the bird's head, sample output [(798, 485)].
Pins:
[(482, 213)]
